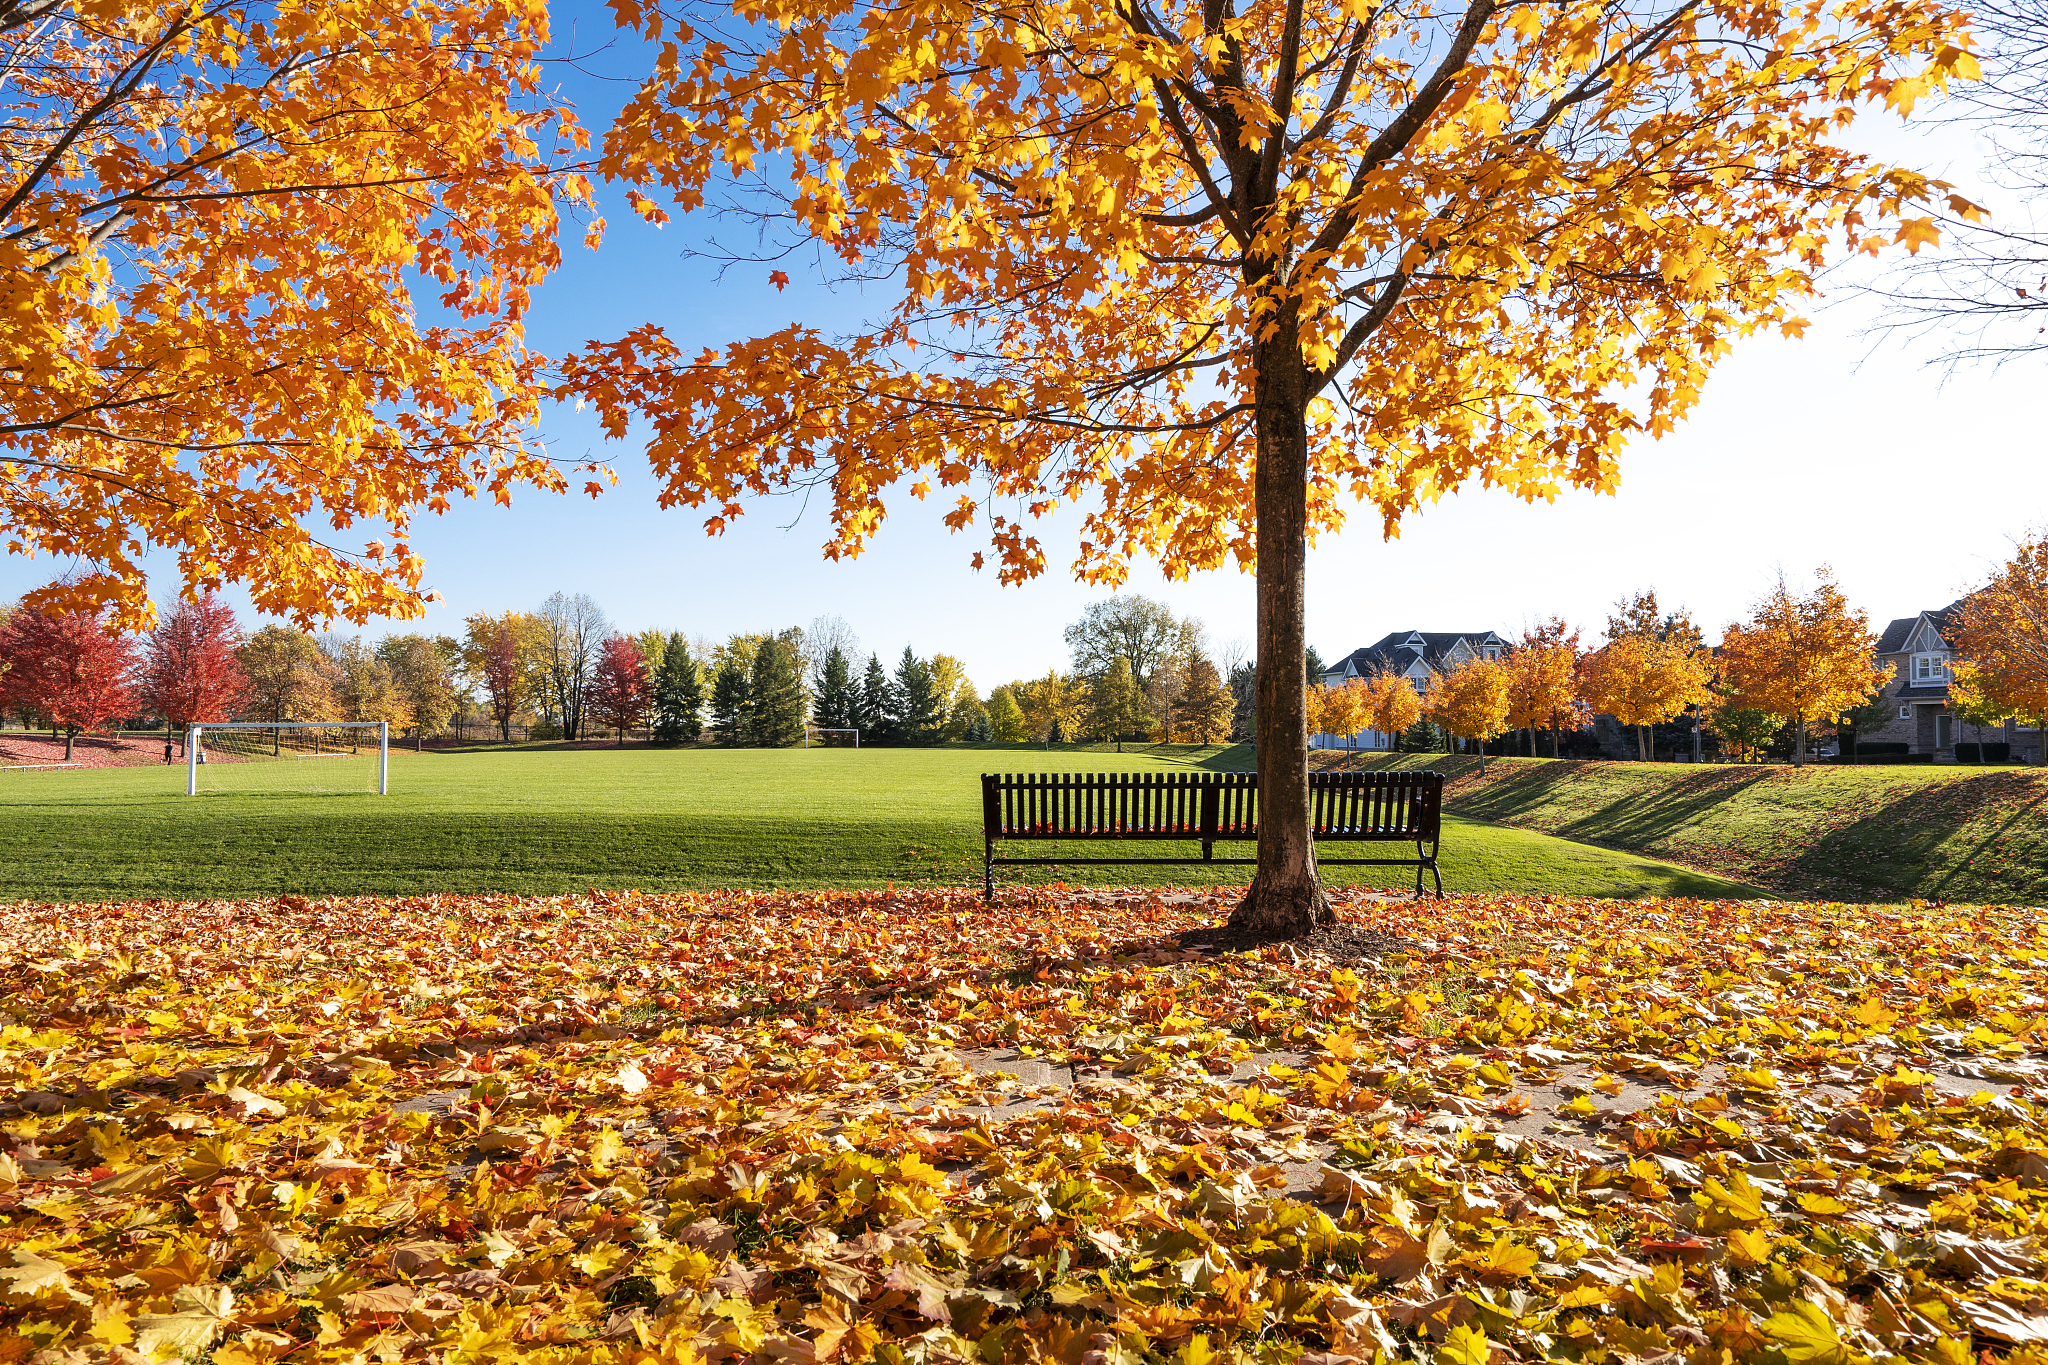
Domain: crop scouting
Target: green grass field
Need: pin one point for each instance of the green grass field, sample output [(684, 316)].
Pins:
[(1951, 832), (546, 821)]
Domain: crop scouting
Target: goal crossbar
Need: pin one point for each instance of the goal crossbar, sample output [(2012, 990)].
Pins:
[(193, 734)]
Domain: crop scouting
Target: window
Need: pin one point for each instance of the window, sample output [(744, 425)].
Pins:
[(1419, 685), (1905, 713), (1930, 668)]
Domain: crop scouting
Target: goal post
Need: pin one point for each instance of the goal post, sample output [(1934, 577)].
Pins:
[(810, 730), (304, 756)]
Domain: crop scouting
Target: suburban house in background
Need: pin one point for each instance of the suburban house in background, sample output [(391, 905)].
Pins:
[(1919, 652), (1418, 656)]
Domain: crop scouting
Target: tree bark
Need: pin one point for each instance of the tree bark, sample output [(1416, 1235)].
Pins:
[(1799, 743), (70, 739), (1285, 899)]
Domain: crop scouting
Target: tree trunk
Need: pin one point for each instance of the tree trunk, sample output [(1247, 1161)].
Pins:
[(70, 739), (1286, 897), (1799, 743), (1643, 743)]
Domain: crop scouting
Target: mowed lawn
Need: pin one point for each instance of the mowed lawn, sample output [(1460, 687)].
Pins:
[(545, 821)]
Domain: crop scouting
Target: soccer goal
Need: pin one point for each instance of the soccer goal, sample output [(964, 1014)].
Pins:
[(292, 756), (822, 730)]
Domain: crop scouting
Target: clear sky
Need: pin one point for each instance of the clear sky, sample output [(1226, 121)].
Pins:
[(1910, 482)]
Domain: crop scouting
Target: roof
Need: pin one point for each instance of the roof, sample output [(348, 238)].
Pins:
[(1398, 651), (1924, 692), (1899, 634)]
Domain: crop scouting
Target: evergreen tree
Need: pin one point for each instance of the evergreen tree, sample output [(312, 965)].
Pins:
[(920, 709), (678, 694), (729, 703), (838, 706), (775, 698), (878, 705), (978, 728)]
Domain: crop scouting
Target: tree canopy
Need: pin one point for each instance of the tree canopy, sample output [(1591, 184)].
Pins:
[(212, 220), (1208, 272)]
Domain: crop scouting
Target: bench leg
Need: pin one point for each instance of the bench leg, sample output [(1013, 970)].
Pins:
[(988, 874)]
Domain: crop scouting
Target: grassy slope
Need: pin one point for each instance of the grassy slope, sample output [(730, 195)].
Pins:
[(550, 821), (1865, 834)]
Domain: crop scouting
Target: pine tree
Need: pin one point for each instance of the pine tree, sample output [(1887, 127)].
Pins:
[(729, 703), (838, 706), (775, 712), (920, 708), (878, 705), (678, 694)]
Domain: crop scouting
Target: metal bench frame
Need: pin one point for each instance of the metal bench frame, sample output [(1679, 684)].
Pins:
[(1400, 806)]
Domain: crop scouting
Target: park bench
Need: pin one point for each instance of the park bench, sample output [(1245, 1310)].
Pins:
[(1209, 808)]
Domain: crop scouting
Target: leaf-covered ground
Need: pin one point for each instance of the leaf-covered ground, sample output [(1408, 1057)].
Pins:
[(642, 1130)]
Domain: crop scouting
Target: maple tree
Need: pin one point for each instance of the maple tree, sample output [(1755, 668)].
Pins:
[(72, 668), (1802, 658), (361, 685), (1209, 271), (1051, 705), (2001, 637), (1543, 680), (500, 654), (1395, 704), (188, 671), (1471, 700), (214, 220), (1642, 680), (289, 678), (620, 690), (422, 681), (1347, 709), (650, 1129)]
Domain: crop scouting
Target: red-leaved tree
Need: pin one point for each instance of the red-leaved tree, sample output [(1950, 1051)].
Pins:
[(619, 693), (71, 669), (504, 676), (189, 672)]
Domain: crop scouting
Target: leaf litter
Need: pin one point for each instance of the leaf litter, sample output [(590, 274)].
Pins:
[(628, 1129)]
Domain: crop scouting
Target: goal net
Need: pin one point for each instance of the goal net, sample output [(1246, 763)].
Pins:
[(309, 756)]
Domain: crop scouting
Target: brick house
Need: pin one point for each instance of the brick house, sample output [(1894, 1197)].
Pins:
[(1919, 653), (1418, 656)]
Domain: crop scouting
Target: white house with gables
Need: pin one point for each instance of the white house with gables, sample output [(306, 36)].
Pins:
[(1418, 656)]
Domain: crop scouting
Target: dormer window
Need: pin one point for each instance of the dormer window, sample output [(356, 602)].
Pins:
[(1930, 669)]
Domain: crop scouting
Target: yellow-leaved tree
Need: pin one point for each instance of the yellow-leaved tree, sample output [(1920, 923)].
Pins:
[(1213, 269), (1802, 658), (1543, 679), (1643, 681), (2001, 641), (213, 216), (1471, 700), (1393, 704)]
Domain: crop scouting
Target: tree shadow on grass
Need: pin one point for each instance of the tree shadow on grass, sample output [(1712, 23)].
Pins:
[(1638, 819), (1977, 840)]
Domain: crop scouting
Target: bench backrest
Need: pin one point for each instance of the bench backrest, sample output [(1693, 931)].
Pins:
[(1400, 804)]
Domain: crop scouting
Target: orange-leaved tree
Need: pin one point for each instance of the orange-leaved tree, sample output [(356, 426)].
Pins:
[(212, 218), (1348, 709), (1642, 681), (1471, 700), (1212, 268), (1802, 658), (1543, 679), (1393, 704), (2001, 638)]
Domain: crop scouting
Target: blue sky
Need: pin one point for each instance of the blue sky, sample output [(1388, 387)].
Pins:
[(1910, 483)]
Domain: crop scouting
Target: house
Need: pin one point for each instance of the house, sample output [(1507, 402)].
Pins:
[(1418, 656), (1919, 652)]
